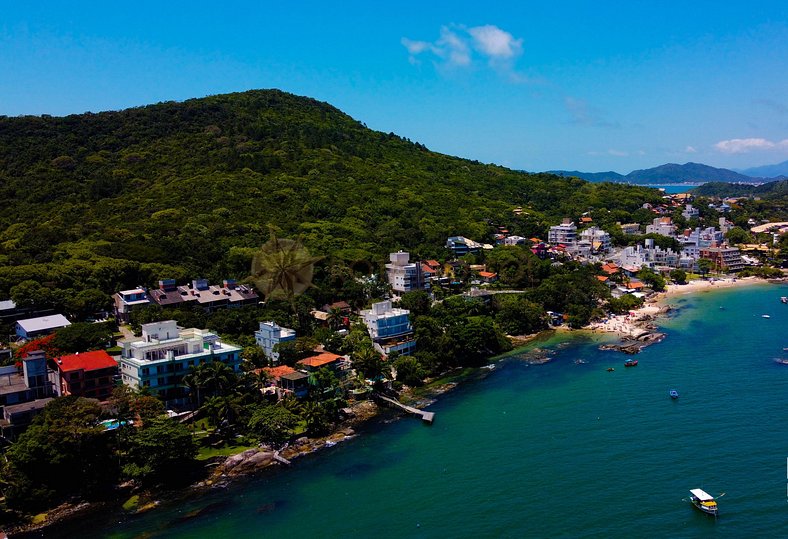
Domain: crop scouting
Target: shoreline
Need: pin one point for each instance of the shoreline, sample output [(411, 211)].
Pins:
[(627, 327), (630, 326)]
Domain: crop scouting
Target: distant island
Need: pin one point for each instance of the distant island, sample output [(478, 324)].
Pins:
[(687, 173)]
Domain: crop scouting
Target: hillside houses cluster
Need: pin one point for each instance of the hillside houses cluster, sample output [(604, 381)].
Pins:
[(199, 293)]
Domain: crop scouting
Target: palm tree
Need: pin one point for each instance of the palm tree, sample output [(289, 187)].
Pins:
[(282, 268), (335, 318)]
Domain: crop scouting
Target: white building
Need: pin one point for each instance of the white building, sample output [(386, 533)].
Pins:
[(663, 226), (127, 300), (514, 240), (598, 238), (690, 212), (648, 255), (630, 228), (159, 360), (31, 328), (565, 233), (695, 240), (390, 328), (269, 335), (403, 275)]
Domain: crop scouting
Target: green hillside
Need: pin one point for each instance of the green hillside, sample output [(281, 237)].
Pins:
[(116, 199)]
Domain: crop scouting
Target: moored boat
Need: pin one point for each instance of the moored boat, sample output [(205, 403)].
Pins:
[(703, 501), (674, 394), (784, 299), (631, 363)]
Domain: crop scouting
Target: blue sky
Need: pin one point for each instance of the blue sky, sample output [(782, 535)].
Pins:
[(572, 85)]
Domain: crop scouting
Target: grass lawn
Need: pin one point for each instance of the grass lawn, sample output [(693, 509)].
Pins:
[(208, 452)]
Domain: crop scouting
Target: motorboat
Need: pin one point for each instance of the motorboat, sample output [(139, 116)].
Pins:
[(703, 501), (631, 363), (674, 394)]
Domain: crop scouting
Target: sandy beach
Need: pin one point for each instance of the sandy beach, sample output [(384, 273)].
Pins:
[(633, 323)]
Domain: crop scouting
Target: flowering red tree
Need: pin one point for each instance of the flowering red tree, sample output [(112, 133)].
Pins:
[(42, 343)]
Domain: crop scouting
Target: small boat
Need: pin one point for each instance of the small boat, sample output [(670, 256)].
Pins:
[(610, 369), (765, 316), (631, 363), (703, 501), (784, 299), (674, 394)]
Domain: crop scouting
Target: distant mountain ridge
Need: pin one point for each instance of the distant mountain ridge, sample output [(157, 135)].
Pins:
[(668, 173), (777, 170)]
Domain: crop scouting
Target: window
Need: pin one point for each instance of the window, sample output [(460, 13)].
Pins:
[(161, 381), (145, 371)]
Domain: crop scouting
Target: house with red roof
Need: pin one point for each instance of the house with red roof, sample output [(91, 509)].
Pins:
[(324, 359), (86, 374), (488, 276)]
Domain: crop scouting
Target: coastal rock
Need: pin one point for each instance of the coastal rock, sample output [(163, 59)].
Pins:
[(245, 462)]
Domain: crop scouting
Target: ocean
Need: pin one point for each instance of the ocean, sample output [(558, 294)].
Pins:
[(562, 449)]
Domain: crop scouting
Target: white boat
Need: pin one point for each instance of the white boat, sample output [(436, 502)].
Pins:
[(765, 316), (784, 299), (703, 501)]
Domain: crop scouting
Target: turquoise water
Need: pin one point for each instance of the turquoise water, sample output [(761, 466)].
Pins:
[(561, 449)]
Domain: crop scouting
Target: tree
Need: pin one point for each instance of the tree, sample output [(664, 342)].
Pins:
[(705, 265), (84, 337), (160, 451), (272, 423), (678, 275), (417, 302), (655, 281), (209, 379), (409, 371), (368, 362), (318, 417), (738, 235), (516, 315), (147, 407), (63, 453)]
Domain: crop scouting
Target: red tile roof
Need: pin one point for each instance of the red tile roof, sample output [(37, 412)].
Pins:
[(487, 274), (426, 269), (635, 286), (277, 372), (86, 361), (602, 278), (433, 263), (320, 360)]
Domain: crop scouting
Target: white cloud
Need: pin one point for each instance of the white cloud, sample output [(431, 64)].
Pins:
[(617, 153), (690, 149), (494, 42), (459, 46), (744, 145), (416, 47), (453, 48)]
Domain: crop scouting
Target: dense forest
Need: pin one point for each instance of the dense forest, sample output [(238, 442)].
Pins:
[(100, 202), (770, 190)]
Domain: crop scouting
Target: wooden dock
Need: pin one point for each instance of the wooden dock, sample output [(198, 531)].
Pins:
[(427, 417)]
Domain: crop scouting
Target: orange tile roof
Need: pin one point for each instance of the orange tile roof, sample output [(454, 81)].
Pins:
[(87, 361), (432, 263), (535, 240), (635, 286), (610, 268), (487, 274), (320, 360), (277, 372), (602, 278)]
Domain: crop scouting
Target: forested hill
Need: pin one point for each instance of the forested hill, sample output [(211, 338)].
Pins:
[(770, 190), (179, 190)]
